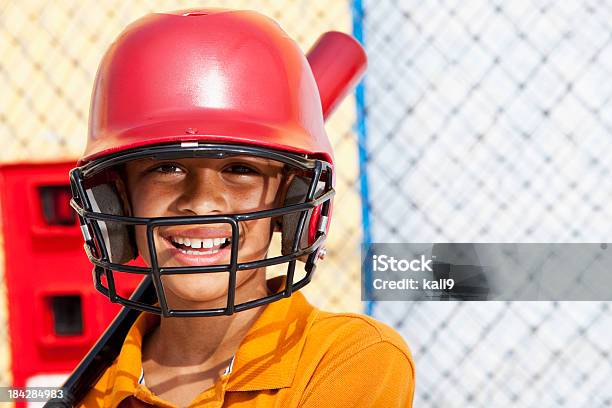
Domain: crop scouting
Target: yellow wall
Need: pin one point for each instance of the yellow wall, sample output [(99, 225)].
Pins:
[(50, 52)]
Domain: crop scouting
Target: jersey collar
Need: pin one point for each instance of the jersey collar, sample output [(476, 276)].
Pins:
[(266, 359), (268, 355)]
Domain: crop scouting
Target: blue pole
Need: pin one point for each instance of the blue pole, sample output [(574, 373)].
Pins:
[(358, 17)]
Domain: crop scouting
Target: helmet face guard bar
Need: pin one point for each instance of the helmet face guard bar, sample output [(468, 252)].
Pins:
[(98, 253)]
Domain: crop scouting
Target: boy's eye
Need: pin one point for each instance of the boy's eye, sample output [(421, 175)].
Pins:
[(166, 168), (240, 169)]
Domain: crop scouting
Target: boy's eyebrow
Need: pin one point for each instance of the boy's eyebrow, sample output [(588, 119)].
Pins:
[(266, 161), (257, 159)]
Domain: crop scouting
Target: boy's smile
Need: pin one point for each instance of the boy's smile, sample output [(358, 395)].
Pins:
[(198, 245)]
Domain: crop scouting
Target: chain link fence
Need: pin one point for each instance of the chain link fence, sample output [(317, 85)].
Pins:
[(489, 121), (50, 53)]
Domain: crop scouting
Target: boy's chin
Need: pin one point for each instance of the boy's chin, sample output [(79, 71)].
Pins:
[(205, 290), (196, 289), (195, 301)]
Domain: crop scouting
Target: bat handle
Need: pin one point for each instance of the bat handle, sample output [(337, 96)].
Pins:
[(103, 353)]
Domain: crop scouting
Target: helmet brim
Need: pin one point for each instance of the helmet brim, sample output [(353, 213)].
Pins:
[(290, 139)]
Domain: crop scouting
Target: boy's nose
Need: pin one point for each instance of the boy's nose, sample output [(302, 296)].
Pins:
[(204, 194)]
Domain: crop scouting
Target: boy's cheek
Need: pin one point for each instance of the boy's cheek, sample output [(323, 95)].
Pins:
[(141, 243)]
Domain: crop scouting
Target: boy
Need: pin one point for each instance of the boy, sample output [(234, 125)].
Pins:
[(206, 137)]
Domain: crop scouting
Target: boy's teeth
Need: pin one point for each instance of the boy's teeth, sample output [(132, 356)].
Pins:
[(206, 243), (206, 252)]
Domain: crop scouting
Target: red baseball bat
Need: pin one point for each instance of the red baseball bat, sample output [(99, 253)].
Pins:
[(338, 62)]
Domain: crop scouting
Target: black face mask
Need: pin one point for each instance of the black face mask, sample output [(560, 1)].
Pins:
[(109, 229)]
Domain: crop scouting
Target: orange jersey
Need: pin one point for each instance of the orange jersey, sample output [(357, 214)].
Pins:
[(294, 355)]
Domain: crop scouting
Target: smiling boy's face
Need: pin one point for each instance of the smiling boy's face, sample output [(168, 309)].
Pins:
[(200, 186)]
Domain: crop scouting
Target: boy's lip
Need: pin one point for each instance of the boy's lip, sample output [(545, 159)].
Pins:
[(199, 232), (221, 256)]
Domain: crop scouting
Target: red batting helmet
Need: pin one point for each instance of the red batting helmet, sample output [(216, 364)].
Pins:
[(211, 75)]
